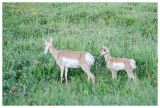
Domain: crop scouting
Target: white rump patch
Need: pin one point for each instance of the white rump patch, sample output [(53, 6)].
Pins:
[(133, 63), (70, 63), (118, 66), (89, 59)]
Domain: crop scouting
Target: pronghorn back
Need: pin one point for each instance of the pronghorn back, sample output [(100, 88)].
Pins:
[(122, 63), (74, 59)]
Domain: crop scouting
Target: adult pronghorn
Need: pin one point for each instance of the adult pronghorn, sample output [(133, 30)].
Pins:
[(71, 59), (116, 64)]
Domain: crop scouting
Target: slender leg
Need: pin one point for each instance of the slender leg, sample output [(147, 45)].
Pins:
[(113, 74), (66, 70), (90, 75), (130, 73), (62, 68), (88, 78)]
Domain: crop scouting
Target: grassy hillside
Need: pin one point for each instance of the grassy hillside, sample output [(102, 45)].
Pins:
[(32, 78)]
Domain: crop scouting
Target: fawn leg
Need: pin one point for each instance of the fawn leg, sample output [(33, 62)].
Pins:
[(62, 68), (66, 70)]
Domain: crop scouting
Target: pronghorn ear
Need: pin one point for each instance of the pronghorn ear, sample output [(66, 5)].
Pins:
[(107, 46), (45, 42), (51, 39)]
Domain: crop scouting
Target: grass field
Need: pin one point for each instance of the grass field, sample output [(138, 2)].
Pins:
[(32, 78)]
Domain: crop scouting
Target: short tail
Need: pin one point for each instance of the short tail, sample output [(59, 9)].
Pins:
[(89, 59), (133, 63)]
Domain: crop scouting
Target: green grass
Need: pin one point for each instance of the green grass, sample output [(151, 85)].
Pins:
[(32, 78)]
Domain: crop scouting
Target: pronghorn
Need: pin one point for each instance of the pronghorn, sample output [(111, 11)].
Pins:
[(116, 64), (71, 59)]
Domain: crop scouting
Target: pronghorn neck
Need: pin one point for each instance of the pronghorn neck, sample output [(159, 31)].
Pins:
[(107, 57), (54, 51)]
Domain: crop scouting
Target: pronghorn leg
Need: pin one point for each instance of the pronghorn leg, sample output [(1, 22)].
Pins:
[(89, 78), (130, 73), (114, 74), (66, 70), (62, 68), (90, 75)]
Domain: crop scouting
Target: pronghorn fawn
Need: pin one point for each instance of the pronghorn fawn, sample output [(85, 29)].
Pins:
[(116, 64), (71, 59)]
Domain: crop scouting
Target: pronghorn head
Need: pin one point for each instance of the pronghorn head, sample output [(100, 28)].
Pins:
[(104, 50), (48, 45)]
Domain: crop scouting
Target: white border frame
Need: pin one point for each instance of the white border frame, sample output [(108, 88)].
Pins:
[(76, 1)]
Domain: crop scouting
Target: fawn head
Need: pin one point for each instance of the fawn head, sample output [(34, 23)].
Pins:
[(47, 45), (104, 50)]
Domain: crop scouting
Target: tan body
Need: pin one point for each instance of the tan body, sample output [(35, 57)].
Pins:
[(71, 59), (116, 64)]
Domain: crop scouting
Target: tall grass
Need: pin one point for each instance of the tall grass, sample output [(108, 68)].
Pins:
[(32, 78)]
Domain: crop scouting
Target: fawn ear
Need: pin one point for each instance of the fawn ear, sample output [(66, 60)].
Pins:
[(51, 39), (45, 42), (107, 46)]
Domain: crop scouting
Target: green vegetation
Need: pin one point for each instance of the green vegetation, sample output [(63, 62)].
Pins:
[(32, 78)]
